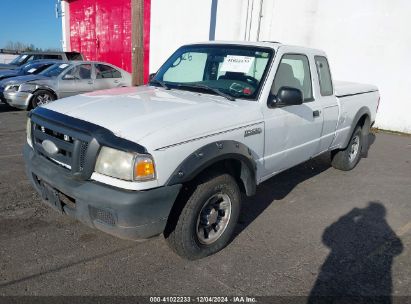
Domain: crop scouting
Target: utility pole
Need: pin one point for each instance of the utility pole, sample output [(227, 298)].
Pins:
[(137, 41)]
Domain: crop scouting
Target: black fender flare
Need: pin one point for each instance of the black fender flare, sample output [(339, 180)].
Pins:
[(361, 112), (212, 153)]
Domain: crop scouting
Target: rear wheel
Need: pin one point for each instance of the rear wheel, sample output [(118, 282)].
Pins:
[(207, 220), (41, 97), (348, 158)]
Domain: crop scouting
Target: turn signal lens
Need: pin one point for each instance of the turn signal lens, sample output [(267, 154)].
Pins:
[(144, 168)]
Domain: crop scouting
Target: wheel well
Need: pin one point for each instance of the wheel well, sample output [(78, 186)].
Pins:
[(42, 89), (362, 120), (238, 169)]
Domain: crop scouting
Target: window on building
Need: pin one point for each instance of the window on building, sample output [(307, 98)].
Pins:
[(294, 71), (324, 76)]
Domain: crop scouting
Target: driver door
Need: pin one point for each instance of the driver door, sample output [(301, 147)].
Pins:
[(78, 80), (292, 132)]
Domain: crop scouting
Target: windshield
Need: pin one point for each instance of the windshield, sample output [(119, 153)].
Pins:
[(55, 69), (234, 70), (34, 68), (19, 59)]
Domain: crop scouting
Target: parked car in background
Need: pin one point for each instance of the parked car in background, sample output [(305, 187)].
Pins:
[(30, 56), (62, 80), (33, 67)]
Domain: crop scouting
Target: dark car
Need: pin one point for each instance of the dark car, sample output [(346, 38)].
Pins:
[(32, 67), (29, 56)]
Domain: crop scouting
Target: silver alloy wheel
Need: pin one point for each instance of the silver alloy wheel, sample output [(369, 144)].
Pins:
[(355, 147), (43, 99), (213, 218)]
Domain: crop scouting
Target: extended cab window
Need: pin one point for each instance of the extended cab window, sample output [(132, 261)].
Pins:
[(294, 71), (324, 76), (233, 70), (105, 71)]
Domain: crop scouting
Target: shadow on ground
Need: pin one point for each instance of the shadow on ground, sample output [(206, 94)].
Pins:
[(358, 268), (279, 186), (4, 107)]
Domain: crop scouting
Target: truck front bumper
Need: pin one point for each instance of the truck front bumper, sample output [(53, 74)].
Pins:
[(18, 100), (133, 215)]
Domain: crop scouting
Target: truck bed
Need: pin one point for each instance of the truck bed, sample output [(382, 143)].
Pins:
[(352, 98), (345, 88)]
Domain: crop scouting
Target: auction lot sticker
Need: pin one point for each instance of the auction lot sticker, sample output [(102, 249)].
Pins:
[(234, 63)]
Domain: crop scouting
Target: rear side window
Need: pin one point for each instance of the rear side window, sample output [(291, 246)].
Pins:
[(324, 76), (79, 72), (105, 71)]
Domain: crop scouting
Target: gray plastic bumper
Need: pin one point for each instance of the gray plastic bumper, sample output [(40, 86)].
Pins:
[(126, 214)]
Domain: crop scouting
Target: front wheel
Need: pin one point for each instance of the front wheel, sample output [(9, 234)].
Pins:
[(207, 220), (41, 97), (348, 158)]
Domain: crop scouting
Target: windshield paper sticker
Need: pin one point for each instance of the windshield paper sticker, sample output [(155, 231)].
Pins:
[(32, 70), (62, 66), (240, 64)]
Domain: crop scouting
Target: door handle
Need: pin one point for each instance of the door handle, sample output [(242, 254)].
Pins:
[(116, 81), (90, 82), (316, 113)]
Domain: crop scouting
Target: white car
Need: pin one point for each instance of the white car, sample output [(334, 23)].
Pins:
[(173, 157)]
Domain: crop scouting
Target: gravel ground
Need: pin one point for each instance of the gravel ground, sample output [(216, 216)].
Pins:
[(309, 230)]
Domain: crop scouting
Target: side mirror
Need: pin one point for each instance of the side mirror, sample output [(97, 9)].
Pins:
[(151, 76), (286, 96)]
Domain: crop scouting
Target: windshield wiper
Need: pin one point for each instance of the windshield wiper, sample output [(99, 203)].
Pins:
[(205, 87), (160, 83)]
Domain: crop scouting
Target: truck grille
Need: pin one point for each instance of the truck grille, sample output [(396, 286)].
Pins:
[(72, 146), (83, 151), (64, 143), (73, 143)]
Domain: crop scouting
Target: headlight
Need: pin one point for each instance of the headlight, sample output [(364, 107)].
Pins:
[(12, 88), (124, 165), (27, 87), (28, 132)]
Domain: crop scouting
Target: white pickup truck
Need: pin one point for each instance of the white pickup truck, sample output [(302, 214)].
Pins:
[(173, 157)]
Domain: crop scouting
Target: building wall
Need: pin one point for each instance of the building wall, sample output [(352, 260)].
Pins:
[(366, 41), (6, 58), (101, 30)]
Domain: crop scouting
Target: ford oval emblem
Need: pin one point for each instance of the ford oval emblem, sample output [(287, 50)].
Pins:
[(49, 147)]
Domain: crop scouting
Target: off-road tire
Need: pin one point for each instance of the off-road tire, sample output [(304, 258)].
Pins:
[(341, 160), (183, 238)]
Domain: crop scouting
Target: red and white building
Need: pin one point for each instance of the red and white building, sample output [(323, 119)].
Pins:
[(365, 40)]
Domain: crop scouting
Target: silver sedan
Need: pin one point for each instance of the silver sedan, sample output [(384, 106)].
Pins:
[(62, 80)]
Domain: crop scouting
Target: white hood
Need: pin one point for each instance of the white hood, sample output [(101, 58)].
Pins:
[(154, 117)]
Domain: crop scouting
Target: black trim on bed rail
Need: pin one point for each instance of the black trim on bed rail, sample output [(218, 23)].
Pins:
[(348, 95)]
